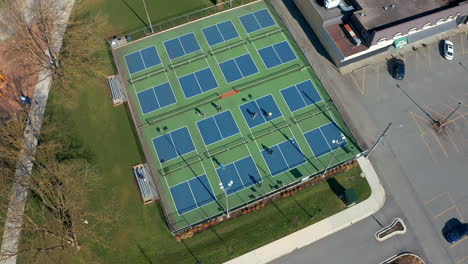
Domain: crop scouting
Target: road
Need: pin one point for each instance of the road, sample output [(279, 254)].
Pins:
[(423, 171)]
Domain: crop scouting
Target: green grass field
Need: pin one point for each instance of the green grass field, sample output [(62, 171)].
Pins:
[(139, 233), (267, 82)]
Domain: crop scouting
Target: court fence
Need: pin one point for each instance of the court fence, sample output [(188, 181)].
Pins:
[(160, 26), (261, 201)]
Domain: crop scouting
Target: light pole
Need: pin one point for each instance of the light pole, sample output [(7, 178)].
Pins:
[(440, 124), (147, 15), (338, 142), (221, 186), (378, 141)]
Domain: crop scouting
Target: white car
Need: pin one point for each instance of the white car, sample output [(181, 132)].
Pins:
[(448, 49)]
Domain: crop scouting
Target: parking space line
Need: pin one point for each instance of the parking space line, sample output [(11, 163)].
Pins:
[(421, 135), (430, 150), (417, 123), (435, 198), (435, 112), (445, 211), (355, 82), (453, 143), (456, 207), (461, 134), (462, 43), (417, 60), (377, 78), (363, 81), (441, 146), (429, 56), (461, 260), (458, 242)]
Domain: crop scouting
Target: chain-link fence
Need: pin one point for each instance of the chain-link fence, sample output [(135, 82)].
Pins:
[(186, 18)]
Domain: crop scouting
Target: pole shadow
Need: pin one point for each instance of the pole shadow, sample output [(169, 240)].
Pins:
[(135, 13)]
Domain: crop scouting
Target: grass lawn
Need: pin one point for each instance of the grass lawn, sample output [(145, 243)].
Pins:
[(140, 234)]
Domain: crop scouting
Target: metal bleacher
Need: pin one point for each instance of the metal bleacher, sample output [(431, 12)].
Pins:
[(116, 89), (145, 185)]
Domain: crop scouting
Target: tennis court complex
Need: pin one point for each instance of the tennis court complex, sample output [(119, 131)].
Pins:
[(230, 100)]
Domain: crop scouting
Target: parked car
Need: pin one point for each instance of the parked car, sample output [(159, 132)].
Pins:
[(448, 50), (454, 230), (398, 69)]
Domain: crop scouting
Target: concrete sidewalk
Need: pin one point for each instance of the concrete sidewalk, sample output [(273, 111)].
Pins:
[(19, 191), (323, 228)]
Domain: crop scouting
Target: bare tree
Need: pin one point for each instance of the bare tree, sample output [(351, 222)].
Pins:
[(58, 217), (35, 27)]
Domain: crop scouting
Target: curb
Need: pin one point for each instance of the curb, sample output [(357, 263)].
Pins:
[(323, 228)]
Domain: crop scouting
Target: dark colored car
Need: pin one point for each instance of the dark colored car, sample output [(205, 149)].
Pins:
[(454, 230), (398, 69)]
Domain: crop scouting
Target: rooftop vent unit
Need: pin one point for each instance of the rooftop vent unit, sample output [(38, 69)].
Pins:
[(329, 4), (351, 35)]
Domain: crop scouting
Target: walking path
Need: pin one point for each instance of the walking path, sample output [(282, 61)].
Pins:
[(323, 228), (19, 194)]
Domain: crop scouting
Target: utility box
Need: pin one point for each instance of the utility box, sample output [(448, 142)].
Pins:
[(350, 197)]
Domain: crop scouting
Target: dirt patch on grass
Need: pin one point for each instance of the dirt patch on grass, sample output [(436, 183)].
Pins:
[(21, 78)]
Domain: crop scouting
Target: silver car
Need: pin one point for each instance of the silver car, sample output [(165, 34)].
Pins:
[(448, 50)]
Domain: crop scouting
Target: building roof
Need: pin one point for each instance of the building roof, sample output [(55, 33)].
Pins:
[(342, 41), (382, 13)]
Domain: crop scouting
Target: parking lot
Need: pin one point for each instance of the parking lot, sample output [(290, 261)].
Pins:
[(423, 170), (434, 159)]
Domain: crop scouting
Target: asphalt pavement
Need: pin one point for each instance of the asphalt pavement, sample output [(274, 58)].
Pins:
[(423, 170)]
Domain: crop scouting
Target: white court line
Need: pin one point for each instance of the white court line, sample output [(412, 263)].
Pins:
[(141, 56), (255, 166), (217, 28), (272, 18), (235, 62), (170, 135), (282, 155), (238, 175), (182, 46), (293, 86), (292, 133)]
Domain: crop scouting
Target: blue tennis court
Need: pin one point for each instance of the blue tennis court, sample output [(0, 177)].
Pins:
[(218, 127), (219, 33), (238, 68), (173, 144), (243, 173), (142, 59), (277, 54), (301, 95), (257, 20), (181, 46), (283, 157), (256, 112), (198, 82), (321, 139), (192, 194), (156, 98)]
